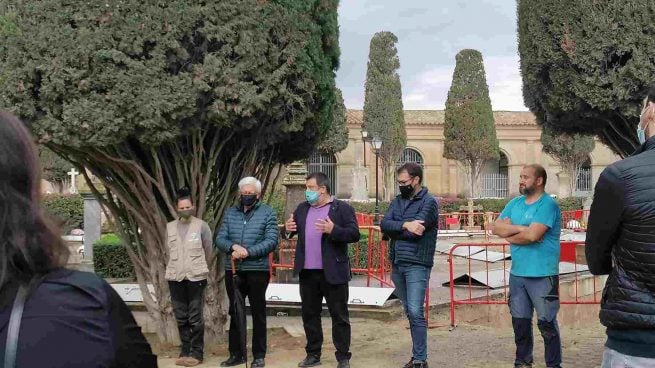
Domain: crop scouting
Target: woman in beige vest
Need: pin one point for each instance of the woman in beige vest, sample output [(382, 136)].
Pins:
[(190, 251)]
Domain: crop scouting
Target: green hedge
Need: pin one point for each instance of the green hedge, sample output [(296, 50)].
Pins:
[(447, 205), (110, 258), (451, 204), (570, 203), (67, 210), (369, 207)]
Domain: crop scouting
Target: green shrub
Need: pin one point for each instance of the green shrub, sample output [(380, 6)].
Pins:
[(570, 203), (67, 210), (362, 261), (369, 207), (277, 201), (110, 258), (493, 205), (450, 204)]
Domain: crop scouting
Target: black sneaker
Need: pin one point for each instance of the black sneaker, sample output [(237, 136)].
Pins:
[(420, 364), (310, 361), (232, 361), (258, 363), (343, 363), (409, 364)]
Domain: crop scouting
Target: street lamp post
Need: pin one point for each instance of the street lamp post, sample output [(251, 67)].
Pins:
[(364, 139), (377, 145)]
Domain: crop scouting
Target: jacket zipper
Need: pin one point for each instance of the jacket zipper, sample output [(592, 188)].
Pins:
[(243, 228)]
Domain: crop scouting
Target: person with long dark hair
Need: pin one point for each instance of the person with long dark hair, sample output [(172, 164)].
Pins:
[(51, 316)]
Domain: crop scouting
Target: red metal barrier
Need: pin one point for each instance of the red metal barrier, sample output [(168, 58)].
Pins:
[(364, 219), (373, 262), (570, 252), (575, 220)]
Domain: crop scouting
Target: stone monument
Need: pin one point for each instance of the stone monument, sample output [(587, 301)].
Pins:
[(294, 182), (360, 178)]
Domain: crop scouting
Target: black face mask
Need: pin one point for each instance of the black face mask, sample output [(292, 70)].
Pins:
[(248, 200), (406, 191)]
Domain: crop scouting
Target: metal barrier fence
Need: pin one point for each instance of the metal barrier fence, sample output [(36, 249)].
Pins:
[(571, 251), (574, 220), (368, 258)]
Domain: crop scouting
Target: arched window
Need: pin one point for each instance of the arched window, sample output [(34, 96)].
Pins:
[(410, 155), (325, 163), (493, 179), (583, 182)]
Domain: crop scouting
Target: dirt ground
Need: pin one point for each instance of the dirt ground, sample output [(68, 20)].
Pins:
[(388, 344)]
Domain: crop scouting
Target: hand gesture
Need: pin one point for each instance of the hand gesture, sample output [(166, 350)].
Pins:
[(290, 225), (324, 226), (239, 252), (415, 227)]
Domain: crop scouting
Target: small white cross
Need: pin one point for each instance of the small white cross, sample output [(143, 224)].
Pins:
[(73, 174)]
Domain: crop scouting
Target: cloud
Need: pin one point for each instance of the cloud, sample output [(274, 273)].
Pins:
[(430, 34), (430, 89)]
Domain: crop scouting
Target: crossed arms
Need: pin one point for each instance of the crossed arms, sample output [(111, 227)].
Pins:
[(517, 234)]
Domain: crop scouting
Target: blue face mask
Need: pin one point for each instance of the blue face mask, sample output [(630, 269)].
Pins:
[(641, 132), (641, 135), (311, 196)]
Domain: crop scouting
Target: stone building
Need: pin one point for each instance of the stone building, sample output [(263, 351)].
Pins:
[(519, 138)]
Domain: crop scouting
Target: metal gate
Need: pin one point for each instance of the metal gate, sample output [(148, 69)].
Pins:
[(325, 163), (409, 155), (493, 185)]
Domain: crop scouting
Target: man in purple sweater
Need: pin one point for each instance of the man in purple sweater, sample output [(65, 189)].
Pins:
[(325, 226)]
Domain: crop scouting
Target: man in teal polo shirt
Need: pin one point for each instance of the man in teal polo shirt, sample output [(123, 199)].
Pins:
[(531, 224)]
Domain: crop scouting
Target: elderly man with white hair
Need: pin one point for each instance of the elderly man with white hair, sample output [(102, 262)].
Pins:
[(248, 234)]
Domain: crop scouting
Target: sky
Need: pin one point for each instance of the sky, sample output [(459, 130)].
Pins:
[(430, 33)]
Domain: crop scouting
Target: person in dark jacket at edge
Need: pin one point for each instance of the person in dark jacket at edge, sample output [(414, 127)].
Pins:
[(70, 319), (325, 226), (620, 243), (412, 223), (249, 233)]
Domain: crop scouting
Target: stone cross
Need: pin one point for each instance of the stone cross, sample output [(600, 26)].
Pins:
[(470, 208), (73, 174)]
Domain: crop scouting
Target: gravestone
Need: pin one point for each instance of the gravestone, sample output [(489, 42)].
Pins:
[(92, 228)]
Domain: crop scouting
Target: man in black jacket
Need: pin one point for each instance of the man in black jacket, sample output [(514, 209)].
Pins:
[(412, 222), (325, 226), (621, 242)]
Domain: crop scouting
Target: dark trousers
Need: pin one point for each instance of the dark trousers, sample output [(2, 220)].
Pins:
[(528, 294), (188, 298), (313, 288), (253, 285)]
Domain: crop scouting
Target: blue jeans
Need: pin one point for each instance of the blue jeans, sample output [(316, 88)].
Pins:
[(527, 294), (411, 281), (614, 359)]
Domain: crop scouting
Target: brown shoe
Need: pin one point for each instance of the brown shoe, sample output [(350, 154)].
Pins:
[(192, 362), (181, 361)]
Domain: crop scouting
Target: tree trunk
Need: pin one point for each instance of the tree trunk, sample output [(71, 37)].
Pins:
[(141, 184)]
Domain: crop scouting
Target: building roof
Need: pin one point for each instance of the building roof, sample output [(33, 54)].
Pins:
[(436, 117)]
